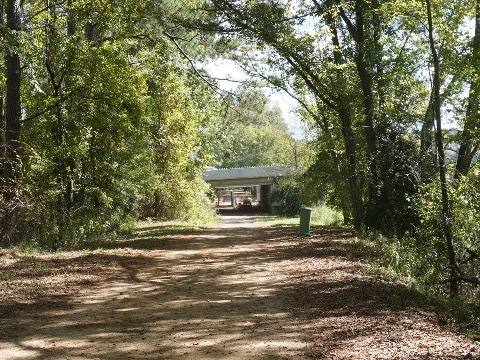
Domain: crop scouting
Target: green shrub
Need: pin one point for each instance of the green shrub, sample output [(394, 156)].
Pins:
[(288, 193), (324, 215)]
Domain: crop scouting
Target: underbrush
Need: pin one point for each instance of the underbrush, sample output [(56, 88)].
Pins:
[(203, 215), (419, 267), (31, 229), (326, 216)]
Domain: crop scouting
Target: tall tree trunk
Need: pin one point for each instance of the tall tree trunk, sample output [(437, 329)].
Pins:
[(428, 154), (347, 131), (2, 127), (426, 134), (366, 81), (378, 63), (64, 164), (353, 178), (70, 163), (346, 202), (71, 19), (11, 171), (446, 210), (2, 96), (469, 142)]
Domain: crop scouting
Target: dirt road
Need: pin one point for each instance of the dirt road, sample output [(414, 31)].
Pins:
[(236, 292)]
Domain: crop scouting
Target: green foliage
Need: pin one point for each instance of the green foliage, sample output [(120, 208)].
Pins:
[(326, 216), (423, 252), (399, 175), (466, 199), (403, 259), (181, 130), (254, 133), (115, 126), (363, 77), (325, 180), (288, 193)]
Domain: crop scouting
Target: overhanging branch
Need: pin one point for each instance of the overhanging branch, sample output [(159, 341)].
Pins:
[(174, 39)]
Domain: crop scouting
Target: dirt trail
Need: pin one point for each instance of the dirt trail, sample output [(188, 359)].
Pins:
[(236, 292), (210, 295)]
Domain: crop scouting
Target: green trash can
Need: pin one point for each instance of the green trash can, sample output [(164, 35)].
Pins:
[(305, 216)]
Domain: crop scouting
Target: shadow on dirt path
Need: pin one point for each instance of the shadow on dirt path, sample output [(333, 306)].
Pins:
[(205, 295), (236, 292)]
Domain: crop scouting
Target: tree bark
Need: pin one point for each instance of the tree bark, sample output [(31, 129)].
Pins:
[(11, 171), (348, 135), (426, 134), (468, 145), (365, 74), (446, 210), (379, 64), (2, 96), (366, 81), (353, 178), (59, 81), (71, 19)]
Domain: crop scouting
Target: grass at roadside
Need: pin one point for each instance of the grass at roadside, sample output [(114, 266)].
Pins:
[(321, 216), (172, 227), (275, 220)]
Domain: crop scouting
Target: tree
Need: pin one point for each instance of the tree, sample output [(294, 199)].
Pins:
[(11, 171), (254, 132), (362, 75), (98, 136), (272, 28), (11, 148), (469, 141), (446, 211)]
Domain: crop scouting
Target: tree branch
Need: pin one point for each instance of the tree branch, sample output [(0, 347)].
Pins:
[(352, 29), (47, 109), (466, 279), (46, 8), (213, 86)]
